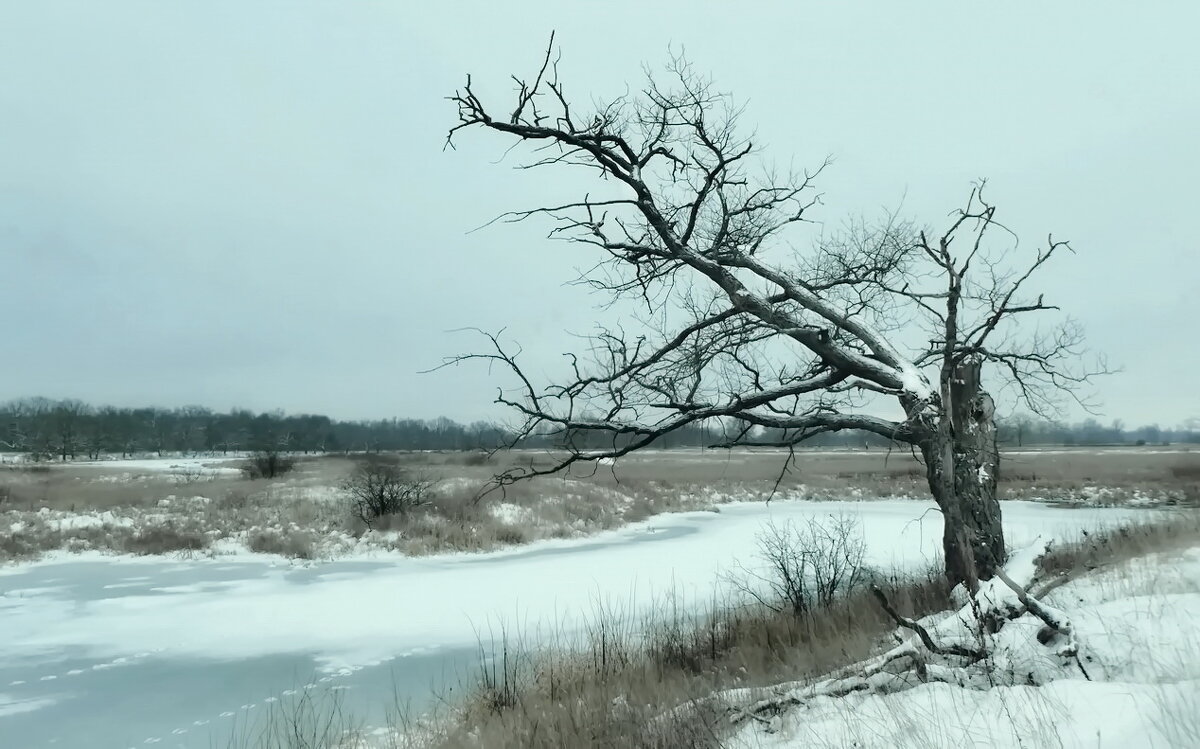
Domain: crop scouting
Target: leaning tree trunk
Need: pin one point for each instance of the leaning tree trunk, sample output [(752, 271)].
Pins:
[(961, 464)]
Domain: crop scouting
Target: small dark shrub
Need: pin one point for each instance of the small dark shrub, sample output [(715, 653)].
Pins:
[(379, 489), (267, 464)]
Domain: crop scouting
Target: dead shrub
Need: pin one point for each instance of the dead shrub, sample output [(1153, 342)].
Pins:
[(28, 545), (510, 535), (267, 464), (294, 543), (165, 539), (234, 499), (380, 489), (804, 566)]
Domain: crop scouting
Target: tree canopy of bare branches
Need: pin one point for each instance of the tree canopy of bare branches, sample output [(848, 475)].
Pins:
[(776, 344)]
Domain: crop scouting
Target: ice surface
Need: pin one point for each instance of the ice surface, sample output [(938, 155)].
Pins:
[(354, 616)]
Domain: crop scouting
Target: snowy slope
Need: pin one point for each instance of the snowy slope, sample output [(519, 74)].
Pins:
[(1139, 629)]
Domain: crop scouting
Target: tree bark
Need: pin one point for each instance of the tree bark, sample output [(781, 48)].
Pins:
[(962, 463)]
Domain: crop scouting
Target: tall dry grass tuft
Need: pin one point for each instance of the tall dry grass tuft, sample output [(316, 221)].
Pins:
[(613, 685), (1164, 530), (307, 720)]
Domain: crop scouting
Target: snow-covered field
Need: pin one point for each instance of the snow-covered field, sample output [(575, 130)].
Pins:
[(87, 642)]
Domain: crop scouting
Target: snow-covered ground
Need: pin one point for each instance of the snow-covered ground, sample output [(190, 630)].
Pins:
[(706, 454), (87, 642), (1138, 630), (216, 466)]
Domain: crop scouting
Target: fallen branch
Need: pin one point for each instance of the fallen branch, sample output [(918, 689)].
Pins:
[(998, 601), (1051, 617), (923, 633)]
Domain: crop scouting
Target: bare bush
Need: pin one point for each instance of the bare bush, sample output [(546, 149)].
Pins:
[(302, 719), (294, 544), (806, 566), (268, 464), (378, 489), (164, 539), (185, 476), (28, 545)]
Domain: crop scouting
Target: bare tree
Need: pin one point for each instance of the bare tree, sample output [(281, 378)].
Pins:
[(786, 344), (66, 418)]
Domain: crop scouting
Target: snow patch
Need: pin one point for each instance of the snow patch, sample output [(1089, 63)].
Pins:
[(10, 705), (509, 513)]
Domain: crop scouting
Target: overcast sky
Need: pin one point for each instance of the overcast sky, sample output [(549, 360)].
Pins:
[(247, 203)]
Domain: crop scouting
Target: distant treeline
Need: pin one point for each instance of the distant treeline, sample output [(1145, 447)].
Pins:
[(71, 429)]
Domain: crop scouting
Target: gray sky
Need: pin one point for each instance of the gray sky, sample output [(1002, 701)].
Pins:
[(247, 203)]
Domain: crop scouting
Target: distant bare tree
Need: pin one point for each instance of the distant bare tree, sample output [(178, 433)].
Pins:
[(685, 223), (66, 418)]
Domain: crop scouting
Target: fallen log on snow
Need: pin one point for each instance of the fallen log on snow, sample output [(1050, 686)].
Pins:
[(955, 650)]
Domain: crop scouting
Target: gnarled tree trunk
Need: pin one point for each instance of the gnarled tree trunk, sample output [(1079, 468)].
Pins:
[(961, 462)]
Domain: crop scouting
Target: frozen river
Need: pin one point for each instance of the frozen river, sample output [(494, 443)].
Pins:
[(115, 652)]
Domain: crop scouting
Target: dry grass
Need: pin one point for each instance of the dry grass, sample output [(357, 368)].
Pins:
[(1163, 532), (1051, 474), (170, 537), (263, 513), (78, 488), (293, 543), (616, 685), (18, 546), (306, 720), (165, 539)]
